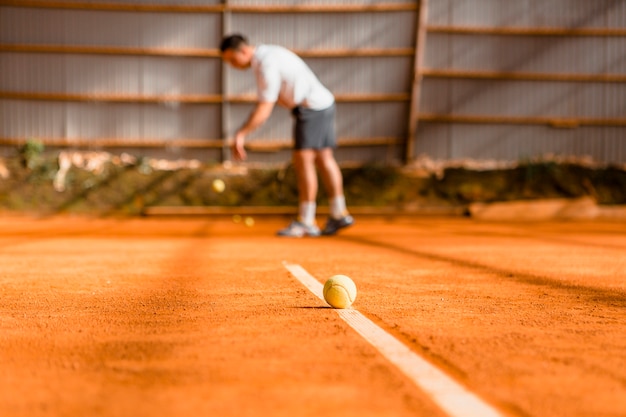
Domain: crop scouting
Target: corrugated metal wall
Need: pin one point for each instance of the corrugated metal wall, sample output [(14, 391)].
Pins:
[(496, 80), (515, 80), (95, 77), (362, 117)]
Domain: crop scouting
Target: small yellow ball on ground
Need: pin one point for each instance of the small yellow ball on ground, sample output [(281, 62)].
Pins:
[(218, 185), (236, 218), (248, 221), (339, 291)]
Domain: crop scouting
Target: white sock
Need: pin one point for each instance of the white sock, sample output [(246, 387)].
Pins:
[(307, 212), (338, 207)]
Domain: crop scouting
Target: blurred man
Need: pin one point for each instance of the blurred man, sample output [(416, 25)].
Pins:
[(284, 78)]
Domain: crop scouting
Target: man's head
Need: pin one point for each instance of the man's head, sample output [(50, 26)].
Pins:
[(236, 51)]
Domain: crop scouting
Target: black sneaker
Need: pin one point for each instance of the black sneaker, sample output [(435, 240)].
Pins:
[(333, 225)]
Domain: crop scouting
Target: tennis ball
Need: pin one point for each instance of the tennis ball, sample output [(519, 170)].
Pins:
[(218, 185), (248, 221), (339, 291)]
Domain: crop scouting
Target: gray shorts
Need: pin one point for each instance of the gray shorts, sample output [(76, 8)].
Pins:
[(314, 129)]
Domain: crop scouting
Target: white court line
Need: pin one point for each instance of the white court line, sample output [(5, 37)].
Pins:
[(448, 394)]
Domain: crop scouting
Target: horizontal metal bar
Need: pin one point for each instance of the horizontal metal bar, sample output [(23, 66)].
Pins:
[(560, 122), (523, 76), (303, 8), (527, 31)]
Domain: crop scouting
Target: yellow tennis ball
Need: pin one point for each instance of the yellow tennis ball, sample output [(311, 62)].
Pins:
[(340, 291), (248, 221), (218, 185)]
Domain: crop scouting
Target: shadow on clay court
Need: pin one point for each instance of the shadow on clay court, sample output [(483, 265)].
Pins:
[(612, 297)]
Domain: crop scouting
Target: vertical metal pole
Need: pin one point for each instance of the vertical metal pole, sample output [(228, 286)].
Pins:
[(420, 43)]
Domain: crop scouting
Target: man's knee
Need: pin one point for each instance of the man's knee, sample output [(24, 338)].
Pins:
[(324, 154), (304, 158)]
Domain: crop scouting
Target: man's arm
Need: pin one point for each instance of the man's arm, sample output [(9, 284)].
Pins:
[(259, 116)]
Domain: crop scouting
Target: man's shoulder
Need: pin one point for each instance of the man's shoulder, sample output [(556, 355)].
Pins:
[(265, 50)]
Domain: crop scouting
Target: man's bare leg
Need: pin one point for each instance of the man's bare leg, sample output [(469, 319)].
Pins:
[(330, 172), (306, 175), (333, 182), (304, 164)]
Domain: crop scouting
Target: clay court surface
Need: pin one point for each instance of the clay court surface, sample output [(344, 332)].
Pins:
[(198, 316)]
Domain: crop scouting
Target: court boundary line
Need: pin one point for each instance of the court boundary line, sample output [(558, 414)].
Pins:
[(450, 396)]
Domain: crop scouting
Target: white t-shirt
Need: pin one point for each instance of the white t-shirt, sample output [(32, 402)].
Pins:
[(283, 77)]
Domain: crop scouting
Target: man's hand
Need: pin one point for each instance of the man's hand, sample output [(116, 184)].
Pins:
[(239, 152), (261, 113)]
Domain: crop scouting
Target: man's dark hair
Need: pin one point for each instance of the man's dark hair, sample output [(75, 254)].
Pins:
[(233, 42)]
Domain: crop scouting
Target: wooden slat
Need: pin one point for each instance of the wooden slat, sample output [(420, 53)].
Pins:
[(523, 76), (227, 124), (266, 145), (291, 210), (276, 145), (323, 8), (564, 122), (115, 98), (340, 98), (302, 8), (527, 31), (117, 7), (365, 98), (370, 141), (119, 142), (110, 50), (344, 53), (195, 52), (219, 210), (186, 99), (420, 45)]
